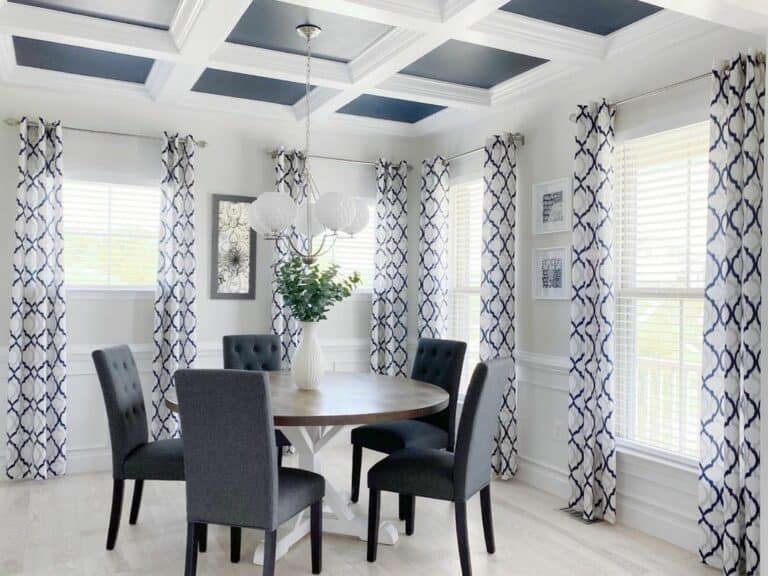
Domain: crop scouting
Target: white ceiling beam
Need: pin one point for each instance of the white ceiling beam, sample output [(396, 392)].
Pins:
[(747, 15), (7, 57), (200, 28), (280, 65), (52, 80), (433, 92), (515, 33), (412, 14), (531, 80), (398, 49), (86, 31), (656, 32)]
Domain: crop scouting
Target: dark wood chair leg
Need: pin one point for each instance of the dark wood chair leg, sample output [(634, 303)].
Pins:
[(462, 535), (138, 488), (357, 465), (190, 566), (402, 507), (374, 503), (270, 552), (279, 456), (118, 486), (316, 523), (235, 538), (202, 537), (485, 506), (410, 519)]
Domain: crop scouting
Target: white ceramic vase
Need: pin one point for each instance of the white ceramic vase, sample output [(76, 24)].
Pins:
[(308, 363)]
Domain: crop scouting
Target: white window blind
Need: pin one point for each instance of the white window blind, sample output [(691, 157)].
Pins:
[(661, 217), (110, 235), (464, 271), (355, 254)]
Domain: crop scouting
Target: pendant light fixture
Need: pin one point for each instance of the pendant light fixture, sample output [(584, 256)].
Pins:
[(320, 216)]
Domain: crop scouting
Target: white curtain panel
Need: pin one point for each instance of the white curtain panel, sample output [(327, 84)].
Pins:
[(37, 358), (389, 318), (290, 180), (729, 459), (175, 322), (591, 442), (433, 248), (497, 287)]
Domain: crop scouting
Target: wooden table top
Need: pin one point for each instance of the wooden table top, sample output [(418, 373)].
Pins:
[(348, 398)]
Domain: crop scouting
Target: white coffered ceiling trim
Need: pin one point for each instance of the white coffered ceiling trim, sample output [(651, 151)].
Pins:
[(197, 40)]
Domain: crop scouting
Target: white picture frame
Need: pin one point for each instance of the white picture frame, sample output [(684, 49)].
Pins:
[(552, 206), (552, 273)]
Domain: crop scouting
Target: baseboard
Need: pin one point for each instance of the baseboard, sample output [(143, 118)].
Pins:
[(638, 513)]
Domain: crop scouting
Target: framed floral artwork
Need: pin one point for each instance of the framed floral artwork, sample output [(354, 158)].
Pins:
[(233, 251)]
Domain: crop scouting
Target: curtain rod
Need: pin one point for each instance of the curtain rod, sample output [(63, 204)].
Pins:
[(517, 138), (273, 154), (15, 122), (654, 92)]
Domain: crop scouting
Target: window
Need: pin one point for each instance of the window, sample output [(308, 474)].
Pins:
[(110, 235), (464, 272), (661, 216), (355, 254)]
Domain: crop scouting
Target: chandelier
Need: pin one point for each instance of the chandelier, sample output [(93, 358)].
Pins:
[(319, 216)]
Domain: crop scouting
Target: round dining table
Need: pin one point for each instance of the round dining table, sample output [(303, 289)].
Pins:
[(311, 418)]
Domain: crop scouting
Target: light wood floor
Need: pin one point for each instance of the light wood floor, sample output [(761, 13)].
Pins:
[(59, 527)]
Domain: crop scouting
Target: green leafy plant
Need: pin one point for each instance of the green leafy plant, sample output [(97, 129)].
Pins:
[(310, 290)]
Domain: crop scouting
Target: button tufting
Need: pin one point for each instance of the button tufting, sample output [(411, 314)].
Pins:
[(248, 367), (273, 348), (256, 349)]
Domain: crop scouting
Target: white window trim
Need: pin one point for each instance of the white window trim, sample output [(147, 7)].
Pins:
[(644, 452), (76, 293)]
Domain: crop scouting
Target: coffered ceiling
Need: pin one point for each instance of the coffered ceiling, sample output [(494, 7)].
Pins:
[(399, 66)]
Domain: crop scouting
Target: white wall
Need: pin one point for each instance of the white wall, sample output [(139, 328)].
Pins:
[(234, 162), (652, 495)]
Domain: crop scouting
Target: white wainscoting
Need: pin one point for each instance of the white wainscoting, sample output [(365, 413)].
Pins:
[(653, 496)]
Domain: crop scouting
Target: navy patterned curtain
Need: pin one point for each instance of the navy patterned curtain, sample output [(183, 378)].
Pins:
[(289, 179), (497, 287), (389, 318), (433, 248), (175, 322), (729, 459), (591, 442), (37, 359)]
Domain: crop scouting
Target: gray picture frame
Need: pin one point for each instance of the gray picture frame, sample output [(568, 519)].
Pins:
[(216, 293)]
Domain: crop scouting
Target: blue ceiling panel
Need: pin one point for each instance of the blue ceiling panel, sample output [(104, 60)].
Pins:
[(155, 14), (471, 65), (84, 61), (272, 25), (238, 85), (597, 16), (389, 108)]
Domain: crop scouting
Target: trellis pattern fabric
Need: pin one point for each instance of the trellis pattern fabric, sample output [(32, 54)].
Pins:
[(729, 459), (37, 358), (497, 287), (175, 322), (433, 248), (591, 442), (389, 319), (289, 179)]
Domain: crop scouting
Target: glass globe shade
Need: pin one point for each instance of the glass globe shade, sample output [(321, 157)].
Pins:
[(360, 221), (271, 213), (335, 211), (300, 222)]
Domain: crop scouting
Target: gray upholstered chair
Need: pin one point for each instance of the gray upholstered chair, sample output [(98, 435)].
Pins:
[(255, 352), (230, 463), (133, 456), (441, 475), (438, 362)]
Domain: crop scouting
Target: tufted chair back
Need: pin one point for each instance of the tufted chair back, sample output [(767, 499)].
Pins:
[(252, 352), (124, 400), (440, 362)]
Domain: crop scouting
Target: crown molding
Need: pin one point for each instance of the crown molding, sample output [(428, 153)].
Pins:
[(516, 33), (184, 20), (524, 83)]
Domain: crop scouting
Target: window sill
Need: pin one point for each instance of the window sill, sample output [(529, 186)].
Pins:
[(656, 456), (75, 293)]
